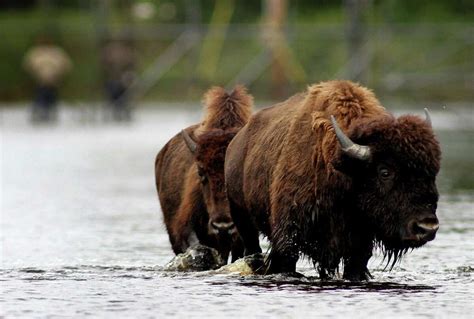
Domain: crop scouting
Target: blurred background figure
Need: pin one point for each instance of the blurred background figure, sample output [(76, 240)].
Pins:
[(118, 62), (47, 63)]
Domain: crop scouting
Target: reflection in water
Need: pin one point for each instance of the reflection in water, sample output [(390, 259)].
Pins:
[(314, 284), (82, 235)]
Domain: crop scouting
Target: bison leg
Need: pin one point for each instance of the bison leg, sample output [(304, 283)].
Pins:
[(279, 262), (355, 264), (246, 228), (285, 251), (237, 250), (285, 241), (225, 255), (327, 269), (181, 234), (356, 270), (183, 240)]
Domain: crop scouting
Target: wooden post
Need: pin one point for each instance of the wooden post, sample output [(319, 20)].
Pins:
[(101, 21), (275, 14), (358, 56), (193, 15), (214, 40)]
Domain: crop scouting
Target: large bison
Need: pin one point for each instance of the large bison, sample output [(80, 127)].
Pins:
[(293, 174), (189, 173)]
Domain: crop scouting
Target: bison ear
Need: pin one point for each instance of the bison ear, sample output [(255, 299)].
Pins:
[(190, 143)]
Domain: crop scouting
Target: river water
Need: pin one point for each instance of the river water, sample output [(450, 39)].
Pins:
[(82, 234)]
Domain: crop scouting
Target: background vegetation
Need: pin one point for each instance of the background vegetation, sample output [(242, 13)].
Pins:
[(417, 50)]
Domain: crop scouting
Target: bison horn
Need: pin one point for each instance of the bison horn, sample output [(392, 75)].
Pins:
[(348, 147), (427, 117), (189, 141)]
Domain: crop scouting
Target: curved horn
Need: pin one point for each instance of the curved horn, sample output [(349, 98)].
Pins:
[(427, 117), (348, 147), (190, 143)]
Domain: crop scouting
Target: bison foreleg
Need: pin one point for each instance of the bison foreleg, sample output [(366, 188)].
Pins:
[(182, 239), (281, 262), (182, 235), (357, 271), (285, 250), (237, 249), (246, 228), (355, 264)]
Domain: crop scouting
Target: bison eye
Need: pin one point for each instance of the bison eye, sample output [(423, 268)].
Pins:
[(385, 173)]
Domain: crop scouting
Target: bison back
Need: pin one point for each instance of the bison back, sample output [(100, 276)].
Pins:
[(171, 166), (251, 159)]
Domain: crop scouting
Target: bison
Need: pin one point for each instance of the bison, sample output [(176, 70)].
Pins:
[(189, 173), (330, 174)]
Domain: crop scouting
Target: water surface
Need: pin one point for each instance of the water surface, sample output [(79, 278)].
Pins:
[(82, 234)]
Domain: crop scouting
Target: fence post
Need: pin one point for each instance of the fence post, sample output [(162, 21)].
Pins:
[(357, 42)]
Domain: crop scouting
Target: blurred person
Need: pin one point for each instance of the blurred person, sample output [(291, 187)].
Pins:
[(47, 63), (118, 60)]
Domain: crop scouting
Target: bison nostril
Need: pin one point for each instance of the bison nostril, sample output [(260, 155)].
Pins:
[(222, 226), (426, 229)]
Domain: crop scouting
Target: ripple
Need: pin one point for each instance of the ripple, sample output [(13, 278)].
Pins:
[(32, 270), (465, 271), (310, 284)]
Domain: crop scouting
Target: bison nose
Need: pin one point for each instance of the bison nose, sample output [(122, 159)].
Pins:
[(223, 227), (426, 228)]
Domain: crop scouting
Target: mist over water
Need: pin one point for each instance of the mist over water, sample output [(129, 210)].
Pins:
[(82, 233)]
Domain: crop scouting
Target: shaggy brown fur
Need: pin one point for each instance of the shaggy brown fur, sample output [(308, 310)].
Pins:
[(287, 177), (226, 111), (191, 184)]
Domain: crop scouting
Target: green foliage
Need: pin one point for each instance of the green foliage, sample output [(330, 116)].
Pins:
[(417, 50)]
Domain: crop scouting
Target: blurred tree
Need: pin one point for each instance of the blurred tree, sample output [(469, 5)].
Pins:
[(214, 40), (284, 64), (275, 16)]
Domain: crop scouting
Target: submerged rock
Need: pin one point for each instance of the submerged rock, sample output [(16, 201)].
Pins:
[(248, 265), (201, 258), (196, 258)]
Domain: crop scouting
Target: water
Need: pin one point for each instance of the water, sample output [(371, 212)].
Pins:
[(82, 235)]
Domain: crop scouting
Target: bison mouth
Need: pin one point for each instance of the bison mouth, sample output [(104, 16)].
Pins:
[(224, 232), (419, 231), (416, 233)]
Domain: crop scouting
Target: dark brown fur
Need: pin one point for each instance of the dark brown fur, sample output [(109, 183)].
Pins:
[(287, 177), (191, 186)]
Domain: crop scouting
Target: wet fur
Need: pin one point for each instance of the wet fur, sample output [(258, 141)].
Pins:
[(288, 179), (176, 170)]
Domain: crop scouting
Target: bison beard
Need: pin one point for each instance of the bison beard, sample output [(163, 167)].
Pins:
[(189, 174), (333, 197)]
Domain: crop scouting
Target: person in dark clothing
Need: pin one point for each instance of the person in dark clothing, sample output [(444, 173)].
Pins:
[(45, 104), (118, 60), (47, 63)]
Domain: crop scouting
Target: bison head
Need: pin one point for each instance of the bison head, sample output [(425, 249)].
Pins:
[(392, 165), (209, 153)]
